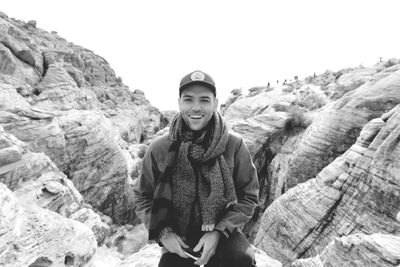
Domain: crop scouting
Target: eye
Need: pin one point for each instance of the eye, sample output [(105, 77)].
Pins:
[(205, 100)]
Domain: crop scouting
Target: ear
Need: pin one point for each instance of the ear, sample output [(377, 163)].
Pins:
[(216, 104)]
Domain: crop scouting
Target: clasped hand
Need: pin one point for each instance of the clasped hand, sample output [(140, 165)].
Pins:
[(208, 242), (174, 243)]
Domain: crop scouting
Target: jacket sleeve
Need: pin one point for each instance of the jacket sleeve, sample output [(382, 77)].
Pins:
[(247, 190), (144, 187)]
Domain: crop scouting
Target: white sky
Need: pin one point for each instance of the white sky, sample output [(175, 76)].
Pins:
[(153, 44)]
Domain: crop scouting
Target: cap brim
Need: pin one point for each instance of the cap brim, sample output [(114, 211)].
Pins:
[(209, 85)]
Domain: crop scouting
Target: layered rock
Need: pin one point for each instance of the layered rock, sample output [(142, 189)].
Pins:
[(233, 96), (36, 180), (263, 102), (337, 126), (32, 236), (357, 193), (82, 127), (66, 102), (295, 130), (357, 250)]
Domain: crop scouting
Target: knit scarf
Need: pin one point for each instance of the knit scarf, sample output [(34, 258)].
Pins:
[(194, 170)]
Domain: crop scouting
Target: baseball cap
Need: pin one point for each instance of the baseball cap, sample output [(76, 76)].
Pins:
[(197, 77)]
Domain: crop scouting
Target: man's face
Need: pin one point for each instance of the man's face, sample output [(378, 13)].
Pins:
[(197, 105)]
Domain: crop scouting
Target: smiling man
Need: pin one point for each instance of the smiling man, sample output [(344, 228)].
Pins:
[(198, 185)]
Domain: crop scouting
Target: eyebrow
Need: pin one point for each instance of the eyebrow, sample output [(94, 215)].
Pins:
[(191, 96), (187, 96)]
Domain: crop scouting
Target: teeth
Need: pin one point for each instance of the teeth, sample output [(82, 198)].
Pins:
[(195, 116)]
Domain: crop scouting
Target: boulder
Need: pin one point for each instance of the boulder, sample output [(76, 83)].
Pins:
[(32, 23), (90, 218), (32, 236)]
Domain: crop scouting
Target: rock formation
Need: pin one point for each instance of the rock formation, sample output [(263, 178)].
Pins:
[(292, 138), (32, 236), (36, 180), (234, 95), (72, 138), (66, 102), (38, 204), (357, 193), (357, 250)]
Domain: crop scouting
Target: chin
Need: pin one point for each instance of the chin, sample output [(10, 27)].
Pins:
[(196, 128)]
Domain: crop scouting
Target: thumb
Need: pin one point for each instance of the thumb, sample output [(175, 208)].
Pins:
[(182, 243), (199, 245)]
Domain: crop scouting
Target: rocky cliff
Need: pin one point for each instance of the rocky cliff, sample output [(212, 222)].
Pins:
[(296, 129), (72, 136), (66, 102), (341, 128), (358, 193)]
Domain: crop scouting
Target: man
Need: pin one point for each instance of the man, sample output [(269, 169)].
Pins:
[(198, 185)]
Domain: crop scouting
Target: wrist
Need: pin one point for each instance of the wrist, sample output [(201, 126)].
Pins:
[(218, 233), (222, 233)]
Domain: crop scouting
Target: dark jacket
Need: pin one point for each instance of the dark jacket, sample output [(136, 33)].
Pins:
[(241, 166)]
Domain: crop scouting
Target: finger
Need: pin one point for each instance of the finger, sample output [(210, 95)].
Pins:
[(205, 256), (199, 245), (182, 254), (203, 259), (182, 243)]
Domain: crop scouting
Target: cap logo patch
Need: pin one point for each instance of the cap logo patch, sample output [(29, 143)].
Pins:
[(197, 76)]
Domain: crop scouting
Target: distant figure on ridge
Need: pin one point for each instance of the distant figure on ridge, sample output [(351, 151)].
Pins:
[(198, 185)]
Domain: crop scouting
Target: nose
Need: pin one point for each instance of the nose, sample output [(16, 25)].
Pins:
[(196, 106)]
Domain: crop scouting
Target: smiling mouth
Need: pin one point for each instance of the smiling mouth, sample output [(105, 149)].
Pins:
[(195, 116)]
